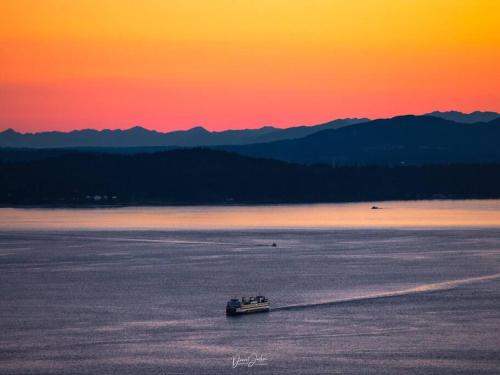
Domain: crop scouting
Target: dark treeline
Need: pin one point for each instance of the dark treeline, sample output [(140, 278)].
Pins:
[(202, 176)]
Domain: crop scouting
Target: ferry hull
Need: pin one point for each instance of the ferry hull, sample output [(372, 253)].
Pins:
[(248, 305), (240, 311)]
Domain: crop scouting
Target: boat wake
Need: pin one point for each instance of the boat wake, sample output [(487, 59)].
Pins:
[(433, 287), (127, 239)]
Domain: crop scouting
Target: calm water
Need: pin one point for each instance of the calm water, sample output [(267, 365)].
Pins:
[(385, 293), (468, 213)]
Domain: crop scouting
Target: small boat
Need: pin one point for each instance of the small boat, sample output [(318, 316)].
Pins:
[(247, 305)]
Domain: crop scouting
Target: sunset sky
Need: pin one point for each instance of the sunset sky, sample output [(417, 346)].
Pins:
[(175, 64)]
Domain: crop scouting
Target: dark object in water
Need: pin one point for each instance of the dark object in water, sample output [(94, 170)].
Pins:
[(376, 208), (274, 244), (248, 305)]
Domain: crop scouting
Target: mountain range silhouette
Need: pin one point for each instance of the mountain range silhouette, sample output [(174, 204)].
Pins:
[(401, 140), (140, 137), (198, 136)]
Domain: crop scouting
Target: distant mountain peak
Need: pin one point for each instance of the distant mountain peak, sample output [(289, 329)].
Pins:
[(444, 113), (198, 129), (462, 113), (138, 127), (468, 118), (139, 130), (9, 131)]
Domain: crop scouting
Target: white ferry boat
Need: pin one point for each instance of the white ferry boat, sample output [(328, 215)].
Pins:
[(247, 305)]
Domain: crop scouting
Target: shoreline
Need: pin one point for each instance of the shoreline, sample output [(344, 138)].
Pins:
[(234, 204)]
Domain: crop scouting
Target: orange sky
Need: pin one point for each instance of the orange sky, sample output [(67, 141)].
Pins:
[(175, 64)]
